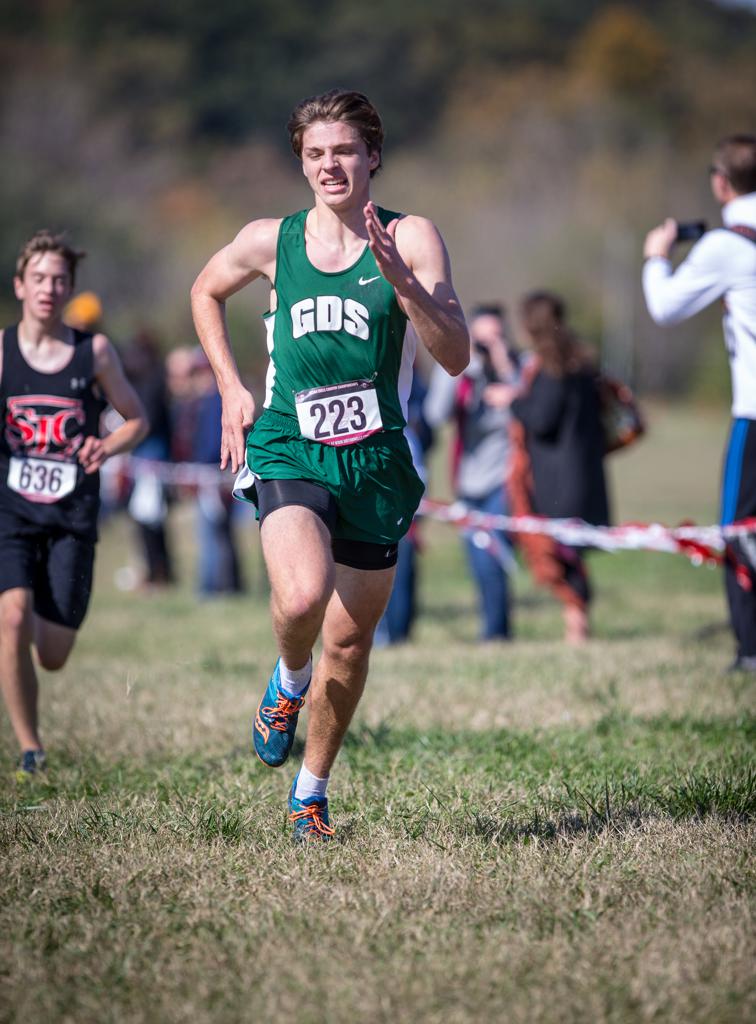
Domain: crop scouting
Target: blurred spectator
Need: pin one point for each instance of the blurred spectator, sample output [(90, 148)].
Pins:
[(396, 624), (179, 370), (84, 312), (148, 505), (556, 469), (219, 569), (479, 402)]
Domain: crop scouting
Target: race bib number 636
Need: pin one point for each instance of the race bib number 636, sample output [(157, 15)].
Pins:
[(339, 413), (41, 480)]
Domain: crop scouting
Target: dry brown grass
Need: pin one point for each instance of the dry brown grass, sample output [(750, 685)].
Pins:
[(526, 834), (647, 924)]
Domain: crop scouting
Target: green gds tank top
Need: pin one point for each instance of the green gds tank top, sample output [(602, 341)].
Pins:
[(340, 356)]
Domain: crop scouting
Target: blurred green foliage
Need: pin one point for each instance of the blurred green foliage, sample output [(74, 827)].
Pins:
[(224, 71), (152, 131)]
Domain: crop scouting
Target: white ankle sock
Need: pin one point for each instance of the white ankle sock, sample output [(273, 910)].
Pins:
[(310, 785), (294, 680)]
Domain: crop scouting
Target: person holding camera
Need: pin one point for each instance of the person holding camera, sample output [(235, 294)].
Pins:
[(722, 265)]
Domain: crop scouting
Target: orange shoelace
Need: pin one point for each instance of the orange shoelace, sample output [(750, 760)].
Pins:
[(315, 825), (280, 714)]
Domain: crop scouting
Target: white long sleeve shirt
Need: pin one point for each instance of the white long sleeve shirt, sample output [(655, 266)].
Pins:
[(721, 265)]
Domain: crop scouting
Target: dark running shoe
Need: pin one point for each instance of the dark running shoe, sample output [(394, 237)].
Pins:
[(743, 663), (31, 763)]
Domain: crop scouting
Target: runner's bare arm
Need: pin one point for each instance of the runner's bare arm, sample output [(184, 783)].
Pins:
[(252, 254), (124, 399), (412, 257)]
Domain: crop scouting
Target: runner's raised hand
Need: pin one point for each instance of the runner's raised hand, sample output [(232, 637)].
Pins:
[(383, 246)]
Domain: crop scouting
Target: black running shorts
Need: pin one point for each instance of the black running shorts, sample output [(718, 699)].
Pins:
[(55, 565)]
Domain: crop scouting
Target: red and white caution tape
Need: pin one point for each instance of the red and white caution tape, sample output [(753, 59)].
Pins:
[(178, 474), (701, 544)]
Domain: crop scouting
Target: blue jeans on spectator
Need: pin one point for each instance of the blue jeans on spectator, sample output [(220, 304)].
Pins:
[(218, 568), (488, 571), (396, 623)]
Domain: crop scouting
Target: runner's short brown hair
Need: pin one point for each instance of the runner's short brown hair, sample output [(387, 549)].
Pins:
[(736, 157), (354, 108), (46, 241)]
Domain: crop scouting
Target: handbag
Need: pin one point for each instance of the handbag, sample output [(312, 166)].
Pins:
[(620, 416)]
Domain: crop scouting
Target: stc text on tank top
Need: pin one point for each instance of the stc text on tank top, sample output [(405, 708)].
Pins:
[(45, 419)]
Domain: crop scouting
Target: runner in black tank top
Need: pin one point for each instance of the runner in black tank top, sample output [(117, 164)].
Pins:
[(45, 419), (54, 382)]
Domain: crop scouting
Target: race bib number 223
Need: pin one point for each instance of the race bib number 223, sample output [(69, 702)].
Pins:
[(339, 413)]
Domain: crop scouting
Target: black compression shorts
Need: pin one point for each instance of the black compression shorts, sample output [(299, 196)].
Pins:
[(356, 554)]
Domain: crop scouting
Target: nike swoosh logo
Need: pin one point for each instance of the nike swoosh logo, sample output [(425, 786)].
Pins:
[(367, 280)]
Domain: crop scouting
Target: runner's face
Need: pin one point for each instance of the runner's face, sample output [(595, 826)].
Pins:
[(336, 162), (45, 287)]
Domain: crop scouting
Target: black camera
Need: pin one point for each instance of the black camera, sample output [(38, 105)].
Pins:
[(690, 231)]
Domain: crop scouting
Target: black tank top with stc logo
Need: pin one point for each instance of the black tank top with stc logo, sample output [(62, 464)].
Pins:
[(45, 419)]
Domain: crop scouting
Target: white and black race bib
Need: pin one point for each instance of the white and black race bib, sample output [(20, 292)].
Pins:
[(41, 480), (339, 413)]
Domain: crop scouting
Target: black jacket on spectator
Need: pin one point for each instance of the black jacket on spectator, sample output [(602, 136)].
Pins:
[(565, 441)]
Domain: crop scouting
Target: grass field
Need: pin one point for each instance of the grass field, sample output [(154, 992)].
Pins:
[(526, 833)]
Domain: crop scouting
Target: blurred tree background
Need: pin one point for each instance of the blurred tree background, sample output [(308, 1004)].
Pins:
[(543, 137)]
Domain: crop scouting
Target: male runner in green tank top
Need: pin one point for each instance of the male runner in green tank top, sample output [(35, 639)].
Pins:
[(327, 464)]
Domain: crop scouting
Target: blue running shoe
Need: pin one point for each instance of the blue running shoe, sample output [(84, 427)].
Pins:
[(30, 764), (276, 722), (309, 818)]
